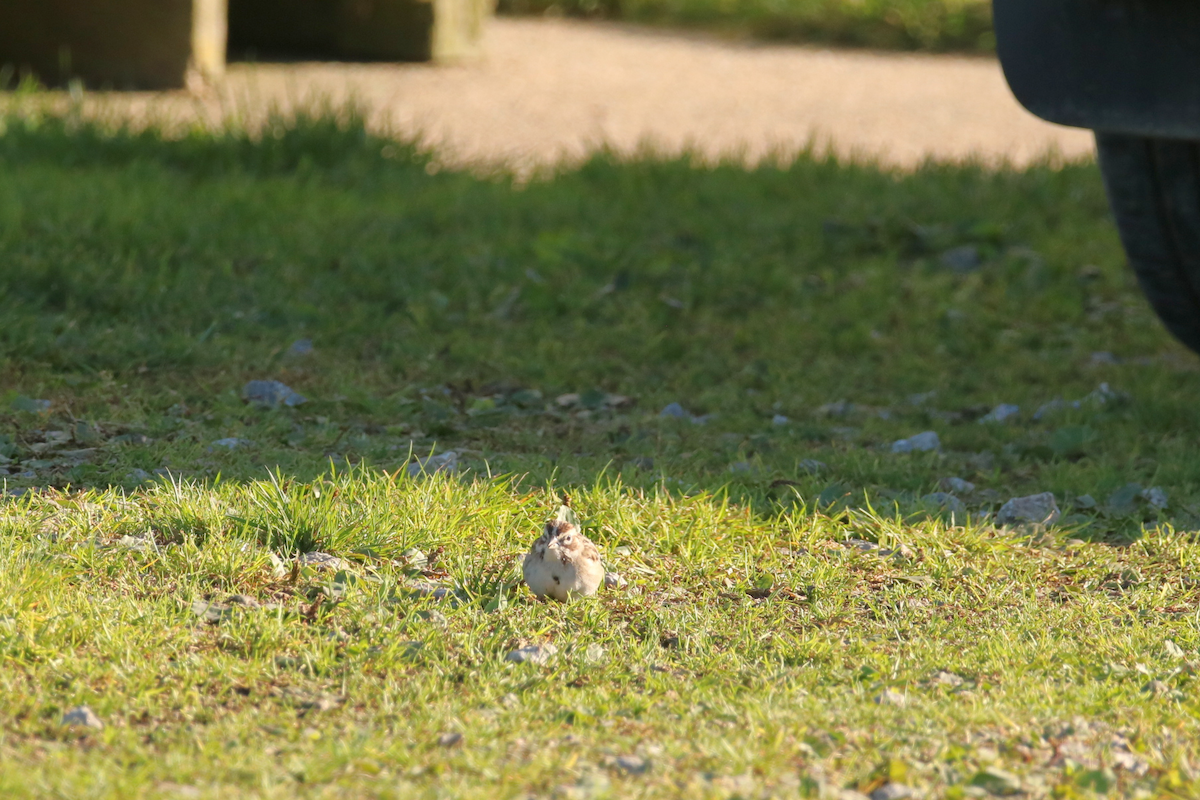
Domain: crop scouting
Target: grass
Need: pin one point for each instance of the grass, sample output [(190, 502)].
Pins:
[(932, 25), (789, 629)]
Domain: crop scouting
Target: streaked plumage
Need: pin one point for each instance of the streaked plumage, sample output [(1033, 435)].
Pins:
[(563, 563)]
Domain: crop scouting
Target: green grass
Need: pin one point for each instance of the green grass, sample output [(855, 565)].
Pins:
[(145, 280), (933, 25)]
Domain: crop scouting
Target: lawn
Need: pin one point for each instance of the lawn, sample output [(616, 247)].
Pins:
[(712, 364), (934, 25)]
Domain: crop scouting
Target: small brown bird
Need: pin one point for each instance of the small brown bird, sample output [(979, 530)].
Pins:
[(563, 563)]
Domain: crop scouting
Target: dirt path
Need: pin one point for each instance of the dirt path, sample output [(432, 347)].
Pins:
[(556, 89)]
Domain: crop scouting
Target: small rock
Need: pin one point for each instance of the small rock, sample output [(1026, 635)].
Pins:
[(644, 463), (1000, 413), (414, 558), (890, 697), (82, 717), (921, 398), (964, 258), (211, 612), (446, 462), (138, 544), (779, 419), (945, 678), (450, 740), (1173, 650), (1103, 358), (811, 466), (433, 617), (674, 410), (632, 765), (1053, 407), (1038, 509), (893, 791), (230, 443), (948, 503), (1101, 395), (30, 405), (841, 408), (956, 485), (1085, 501), (1155, 496), (323, 561), (613, 580), (137, 476), (533, 654), (921, 442), (243, 600), (594, 654), (741, 467), (271, 394), (301, 347), (1157, 688)]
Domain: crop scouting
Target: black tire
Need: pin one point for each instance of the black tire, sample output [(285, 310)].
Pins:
[(1154, 190)]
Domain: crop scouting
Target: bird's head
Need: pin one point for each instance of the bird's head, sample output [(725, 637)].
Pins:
[(560, 532)]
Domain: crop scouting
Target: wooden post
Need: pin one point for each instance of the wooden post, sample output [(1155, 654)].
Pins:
[(375, 30), (122, 44)]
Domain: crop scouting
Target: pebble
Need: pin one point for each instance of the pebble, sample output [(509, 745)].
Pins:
[(301, 347), (1000, 413), (811, 466), (231, 443), (890, 697), (1173, 650), (956, 485), (741, 467), (1155, 496), (956, 508), (1157, 688), (1103, 358), (450, 740), (779, 419), (944, 678), (137, 476), (533, 654), (594, 654), (892, 791), (964, 258), (1039, 509), (674, 410), (82, 717), (271, 394), (614, 580), (243, 600), (30, 405), (211, 612), (446, 462), (632, 765), (921, 442), (1053, 407), (323, 561)]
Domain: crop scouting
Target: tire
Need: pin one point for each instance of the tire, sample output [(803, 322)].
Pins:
[(1153, 188)]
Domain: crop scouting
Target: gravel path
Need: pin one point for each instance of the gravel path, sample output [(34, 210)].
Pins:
[(553, 89)]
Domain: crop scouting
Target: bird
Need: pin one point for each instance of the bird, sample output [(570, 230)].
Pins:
[(563, 563)]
